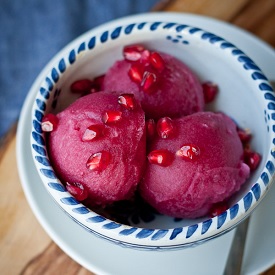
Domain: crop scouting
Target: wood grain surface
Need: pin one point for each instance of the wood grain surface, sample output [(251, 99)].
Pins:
[(25, 248)]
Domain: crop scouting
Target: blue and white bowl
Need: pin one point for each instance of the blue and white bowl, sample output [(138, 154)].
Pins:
[(245, 95)]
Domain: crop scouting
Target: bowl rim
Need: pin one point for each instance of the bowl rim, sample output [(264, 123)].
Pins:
[(131, 236)]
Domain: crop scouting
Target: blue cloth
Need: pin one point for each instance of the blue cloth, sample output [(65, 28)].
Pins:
[(33, 31)]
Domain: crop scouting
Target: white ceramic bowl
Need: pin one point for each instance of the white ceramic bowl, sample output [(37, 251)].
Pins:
[(245, 95)]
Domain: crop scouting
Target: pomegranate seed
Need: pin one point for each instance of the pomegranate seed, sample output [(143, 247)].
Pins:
[(145, 58), (111, 117), (218, 208), (244, 135), (188, 151), (93, 132), (82, 86), (133, 52), (136, 73), (151, 128), (161, 157), (156, 61), (49, 123), (210, 91), (252, 159), (77, 190), (98, 82), (148, 80), (165, 127), (98, 161), (128, 101)]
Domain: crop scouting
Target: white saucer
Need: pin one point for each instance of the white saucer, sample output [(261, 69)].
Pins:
[(103, 257)]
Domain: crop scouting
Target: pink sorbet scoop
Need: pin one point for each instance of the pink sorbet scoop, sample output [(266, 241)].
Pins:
[(169, 88), (99, 145), (197, 164)]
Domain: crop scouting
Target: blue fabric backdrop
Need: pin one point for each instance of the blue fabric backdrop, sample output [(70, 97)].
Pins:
[(33, 31)]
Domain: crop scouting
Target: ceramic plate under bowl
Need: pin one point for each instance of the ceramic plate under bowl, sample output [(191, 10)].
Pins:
[(92, 252)]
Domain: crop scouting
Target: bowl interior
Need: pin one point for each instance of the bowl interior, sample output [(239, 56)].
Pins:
[(209, 56)]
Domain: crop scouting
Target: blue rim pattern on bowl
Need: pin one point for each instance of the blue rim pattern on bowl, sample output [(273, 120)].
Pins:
[(135, 236)]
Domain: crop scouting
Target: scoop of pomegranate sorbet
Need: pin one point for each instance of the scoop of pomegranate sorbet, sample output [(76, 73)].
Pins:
[(194, 165), (164, 85), (99, 147)]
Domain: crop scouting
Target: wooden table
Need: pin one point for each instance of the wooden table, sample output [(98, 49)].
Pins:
[(25, 248)]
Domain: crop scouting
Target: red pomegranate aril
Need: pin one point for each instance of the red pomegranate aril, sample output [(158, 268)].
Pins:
[(244, 135), (49, 123), (165, 127), (145, 58), (148, 80), (111, 117), (188, 151), (210, 91), (161, 157), (128, 101), (150, 128), (98, 161), (156, 61), (252, 159), (82, 86), (77, 190), (93, 132), (218, 208), (97, 82), (133, 52), (136, 73)]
